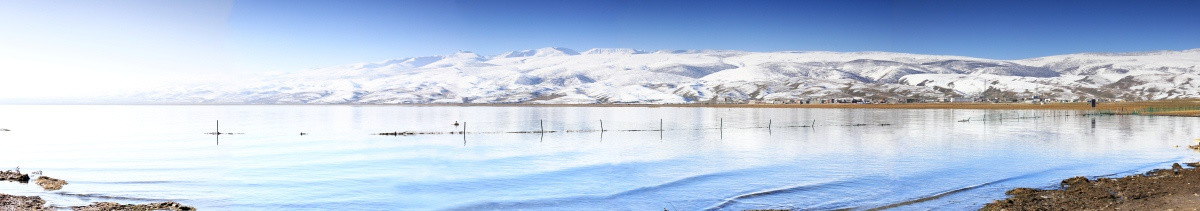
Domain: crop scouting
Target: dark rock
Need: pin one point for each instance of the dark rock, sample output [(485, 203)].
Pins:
[(1075, 182), (48, 183), (14, 176), (1020, 191), (10, 202)]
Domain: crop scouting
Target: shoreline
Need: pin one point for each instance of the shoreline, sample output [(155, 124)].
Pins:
[(15, 202), (1177, 188), (35, 203)]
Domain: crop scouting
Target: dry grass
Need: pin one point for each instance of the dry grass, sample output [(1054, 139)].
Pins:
[(1191, 113)]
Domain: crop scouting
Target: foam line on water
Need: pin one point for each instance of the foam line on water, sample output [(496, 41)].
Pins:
[(105, 196), (550, 202), (134, 182), (791, 189), (1141, 168), (961, 189)]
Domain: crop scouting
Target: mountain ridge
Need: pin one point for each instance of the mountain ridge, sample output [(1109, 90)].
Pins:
[(616, 75)]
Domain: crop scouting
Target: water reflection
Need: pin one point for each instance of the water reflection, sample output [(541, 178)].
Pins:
[(579, 158)]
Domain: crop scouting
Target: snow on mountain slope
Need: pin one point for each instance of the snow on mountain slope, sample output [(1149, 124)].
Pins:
[(543, 52), (460, 59), (625, 51), (560, 75)]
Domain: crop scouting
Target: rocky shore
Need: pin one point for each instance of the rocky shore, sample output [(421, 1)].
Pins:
[(1177, 188), (105, 206), (10, 202), (34, 203), (48, 183), (14, 176)]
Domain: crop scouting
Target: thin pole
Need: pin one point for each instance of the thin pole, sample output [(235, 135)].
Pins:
[(814, 123), (601, 126), (722, 128), (218, 135), (540, 124), (660, 125)]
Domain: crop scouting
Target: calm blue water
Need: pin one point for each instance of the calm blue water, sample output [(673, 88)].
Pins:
[(904, 159)]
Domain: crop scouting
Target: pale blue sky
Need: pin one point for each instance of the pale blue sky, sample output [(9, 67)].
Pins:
[(62, 48)]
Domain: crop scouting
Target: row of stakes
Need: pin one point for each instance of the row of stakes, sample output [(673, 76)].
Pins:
[(542, 129), (1043, 115), (721, 127)]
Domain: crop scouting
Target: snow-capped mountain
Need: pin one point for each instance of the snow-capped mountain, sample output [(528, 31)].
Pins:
[(560, 75)]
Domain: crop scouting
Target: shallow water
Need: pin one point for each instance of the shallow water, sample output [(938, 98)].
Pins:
[(704, 158)]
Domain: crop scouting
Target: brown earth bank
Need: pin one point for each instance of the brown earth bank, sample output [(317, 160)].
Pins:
[(1177, 188)]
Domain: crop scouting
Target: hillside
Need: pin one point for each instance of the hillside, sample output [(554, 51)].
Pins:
[(560, 75)]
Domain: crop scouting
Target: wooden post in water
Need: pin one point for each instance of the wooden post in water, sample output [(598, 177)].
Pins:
[(218, 133), (814, 124), (722, 130), (601, 126), (660, 125), (542, 125), (769, 125)]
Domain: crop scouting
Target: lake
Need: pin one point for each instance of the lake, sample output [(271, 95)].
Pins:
[(648, 158)]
